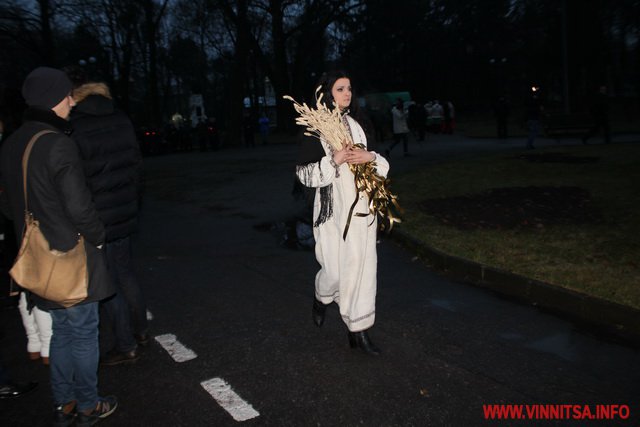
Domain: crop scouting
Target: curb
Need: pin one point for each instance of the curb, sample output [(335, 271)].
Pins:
[(612, 320)]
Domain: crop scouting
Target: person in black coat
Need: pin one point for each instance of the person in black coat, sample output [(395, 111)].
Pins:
[(112, 164), (600, 117), (60, 200)]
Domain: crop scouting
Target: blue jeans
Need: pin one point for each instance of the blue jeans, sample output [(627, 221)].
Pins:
[(128, 309), (74, 355)]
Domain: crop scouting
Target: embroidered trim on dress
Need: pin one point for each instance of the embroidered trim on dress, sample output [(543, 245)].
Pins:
[(332, 296), (349, 321), (325, 193)]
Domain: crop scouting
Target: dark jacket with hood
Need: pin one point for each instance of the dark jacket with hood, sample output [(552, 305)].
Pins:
[(112, 162), (58, 195)]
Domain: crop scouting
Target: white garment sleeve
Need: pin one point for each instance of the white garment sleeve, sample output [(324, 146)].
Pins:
[(318, 174), (382, 165)]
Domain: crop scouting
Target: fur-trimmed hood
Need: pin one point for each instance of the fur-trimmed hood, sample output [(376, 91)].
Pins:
[(93, 99)]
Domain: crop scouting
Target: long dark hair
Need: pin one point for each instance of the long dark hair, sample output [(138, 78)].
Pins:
[(326, 82)]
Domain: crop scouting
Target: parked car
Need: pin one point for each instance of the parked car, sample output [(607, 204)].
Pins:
[(151, 141)]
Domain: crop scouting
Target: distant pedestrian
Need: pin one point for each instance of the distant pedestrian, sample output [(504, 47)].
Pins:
[(449, 114), (600, 116), (113, 164), (212, 134), (263, 126), (501, 112), (348, 264), (400, 128), (61, 201), (436, 116), (202, 134), (533, 110), (421, 121), (248, 130)]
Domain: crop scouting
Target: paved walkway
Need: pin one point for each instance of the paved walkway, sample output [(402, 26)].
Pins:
[(241, 301), (612, 320)]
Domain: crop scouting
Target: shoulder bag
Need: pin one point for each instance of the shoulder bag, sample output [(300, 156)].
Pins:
[(56, 276)]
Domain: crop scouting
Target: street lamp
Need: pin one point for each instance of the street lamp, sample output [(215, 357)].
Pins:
[(87, 66)]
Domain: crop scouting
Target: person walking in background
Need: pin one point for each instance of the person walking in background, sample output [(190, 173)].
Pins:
[(212, 133), (449, 114), (421, 121), (348, 264), (113, 164), (247, 130), (600, 116), (533, 111), (436, 116), (400, 128), (61, 201), (202, 134), (501, 112), (263, 126)]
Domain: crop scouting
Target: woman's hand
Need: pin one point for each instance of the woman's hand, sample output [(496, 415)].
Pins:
[(357, 156), (339, 157)]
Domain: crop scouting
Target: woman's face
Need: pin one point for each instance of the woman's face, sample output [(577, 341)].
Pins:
[(341, 92)]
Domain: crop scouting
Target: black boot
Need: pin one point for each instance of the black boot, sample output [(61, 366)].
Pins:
[(362, 341), (318, 312)]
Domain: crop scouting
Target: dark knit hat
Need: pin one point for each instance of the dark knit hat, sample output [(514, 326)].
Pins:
[(45, 87)]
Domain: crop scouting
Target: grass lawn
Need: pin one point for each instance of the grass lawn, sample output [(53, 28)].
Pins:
[(601, 258)]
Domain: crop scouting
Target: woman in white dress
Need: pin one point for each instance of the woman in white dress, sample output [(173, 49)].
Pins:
[(348, 261)]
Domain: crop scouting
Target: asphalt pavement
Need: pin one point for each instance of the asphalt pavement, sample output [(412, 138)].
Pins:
[(230, 307)]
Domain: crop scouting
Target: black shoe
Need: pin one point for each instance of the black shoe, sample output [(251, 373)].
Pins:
[(142, 339), (362, 341), (118, 357), (64, 415), (11, 390), (318, 311), (106, 406)]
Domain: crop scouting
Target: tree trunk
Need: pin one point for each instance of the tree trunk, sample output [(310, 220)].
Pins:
[(47, 46), (238, 77), (280, 74)]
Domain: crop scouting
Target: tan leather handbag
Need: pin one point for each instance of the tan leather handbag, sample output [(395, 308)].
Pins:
[(57, 276)]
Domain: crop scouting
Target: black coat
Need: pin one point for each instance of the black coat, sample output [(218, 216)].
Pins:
[(58, 195), (112, 160)]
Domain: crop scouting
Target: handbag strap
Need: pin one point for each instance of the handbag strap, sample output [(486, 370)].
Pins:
[(25, 162)]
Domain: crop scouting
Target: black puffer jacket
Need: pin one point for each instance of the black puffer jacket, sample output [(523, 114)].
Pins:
[(112, 161), (58, 195)]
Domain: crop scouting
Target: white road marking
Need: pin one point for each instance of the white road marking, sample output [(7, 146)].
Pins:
[(179, 352), (229, 400), (149, 315)]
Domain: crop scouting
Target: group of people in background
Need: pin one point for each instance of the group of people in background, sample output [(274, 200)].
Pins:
[(410, 117), (595, 120), (84, 178)]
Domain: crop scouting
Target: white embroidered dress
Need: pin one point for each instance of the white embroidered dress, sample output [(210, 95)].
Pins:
[(348, 267)]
